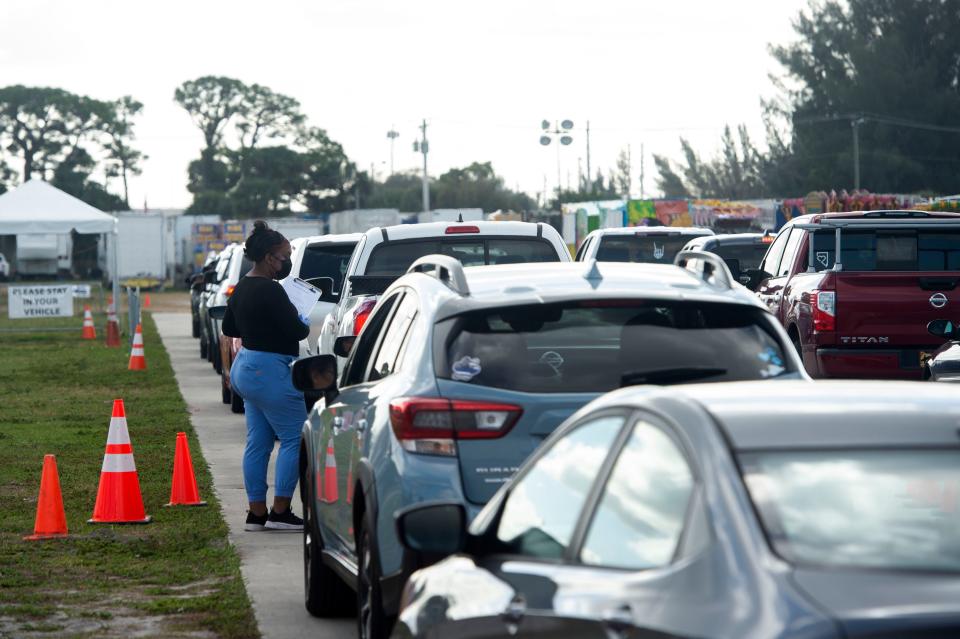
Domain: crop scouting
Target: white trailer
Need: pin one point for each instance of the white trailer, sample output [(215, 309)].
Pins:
[(362, 220), (43, 254)]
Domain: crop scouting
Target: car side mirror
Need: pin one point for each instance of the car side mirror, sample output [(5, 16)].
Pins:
[(315, 374), (433, 528), (217, 312), (343, 345), (325, 284), (756, 277), (942, 328), (734, 265)]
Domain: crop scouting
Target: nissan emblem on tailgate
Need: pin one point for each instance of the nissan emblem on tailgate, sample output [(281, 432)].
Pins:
[(938, 300)]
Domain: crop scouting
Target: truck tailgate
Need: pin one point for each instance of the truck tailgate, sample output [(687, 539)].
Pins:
[(892, 308)]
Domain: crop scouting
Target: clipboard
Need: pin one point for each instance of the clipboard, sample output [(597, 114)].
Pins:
[(302, 295)]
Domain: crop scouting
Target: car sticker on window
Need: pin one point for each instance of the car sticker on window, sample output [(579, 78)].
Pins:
[(773, 361), (658, 251), (824, 258), (466, 368)]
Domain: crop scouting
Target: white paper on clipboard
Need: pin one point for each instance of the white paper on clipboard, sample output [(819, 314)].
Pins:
[(302, 295)]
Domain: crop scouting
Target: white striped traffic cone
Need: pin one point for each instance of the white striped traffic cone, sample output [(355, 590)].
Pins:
[(137, 360), (89, 332), (118, 497)]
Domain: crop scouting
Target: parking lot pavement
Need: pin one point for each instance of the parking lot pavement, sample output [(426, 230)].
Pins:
[(271, 562)]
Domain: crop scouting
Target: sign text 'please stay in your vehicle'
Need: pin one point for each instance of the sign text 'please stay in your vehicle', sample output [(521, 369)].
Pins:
[(40, 301)]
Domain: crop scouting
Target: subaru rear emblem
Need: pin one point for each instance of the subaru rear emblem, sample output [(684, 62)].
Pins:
[(938, 300)]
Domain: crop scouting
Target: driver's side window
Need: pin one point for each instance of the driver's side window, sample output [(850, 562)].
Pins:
[(543, 507), (364, 348)]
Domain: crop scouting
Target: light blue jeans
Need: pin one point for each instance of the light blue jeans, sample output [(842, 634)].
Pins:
[(273, 408)]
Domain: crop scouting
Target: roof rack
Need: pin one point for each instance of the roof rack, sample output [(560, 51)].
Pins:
[(447, 269), (708, 267)]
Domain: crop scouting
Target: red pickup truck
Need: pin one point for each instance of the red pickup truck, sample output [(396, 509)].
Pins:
[(866, 313)]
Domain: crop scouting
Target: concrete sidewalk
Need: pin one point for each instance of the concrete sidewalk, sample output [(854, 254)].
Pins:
[(271, 562)]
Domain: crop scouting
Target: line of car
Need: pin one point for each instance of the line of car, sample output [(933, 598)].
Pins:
[(467, 476)]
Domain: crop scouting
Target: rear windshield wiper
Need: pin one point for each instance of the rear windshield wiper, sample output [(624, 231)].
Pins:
[(664, 376)]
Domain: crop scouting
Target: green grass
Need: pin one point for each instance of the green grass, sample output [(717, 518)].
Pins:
[(56, 394)]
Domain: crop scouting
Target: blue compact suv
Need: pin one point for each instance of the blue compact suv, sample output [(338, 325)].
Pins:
[(460, 373)]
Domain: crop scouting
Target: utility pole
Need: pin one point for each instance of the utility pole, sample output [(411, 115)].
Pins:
[(423, 147), (589, 174), (641, 170), (855, 125), (561, 131), (392, 135)]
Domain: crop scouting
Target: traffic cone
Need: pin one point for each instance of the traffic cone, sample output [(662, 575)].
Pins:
[(137, 361), (118, 498), (183, 489), (113, 325), (350, 480), (146, 300), (330, 494), (89, 332), (51, 520)]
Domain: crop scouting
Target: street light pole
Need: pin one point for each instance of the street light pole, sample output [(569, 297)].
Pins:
[(392, 135), (855, 125), (561, 131), (424, 147)]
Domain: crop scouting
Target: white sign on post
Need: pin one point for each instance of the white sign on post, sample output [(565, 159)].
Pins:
[(81, 290), (40, 301)]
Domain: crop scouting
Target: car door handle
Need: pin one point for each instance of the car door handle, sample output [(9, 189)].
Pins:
[(513, 614), (618, 619)]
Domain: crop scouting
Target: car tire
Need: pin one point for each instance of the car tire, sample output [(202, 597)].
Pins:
[(236, 404), (196, 327), (371, 622), (216, 362), (226, 395), (325, 594), (203, 347)]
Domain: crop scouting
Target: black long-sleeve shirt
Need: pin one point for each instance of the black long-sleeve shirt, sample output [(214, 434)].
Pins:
[(260, 313)]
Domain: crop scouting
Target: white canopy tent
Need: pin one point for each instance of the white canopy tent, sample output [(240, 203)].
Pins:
[(37, 207)]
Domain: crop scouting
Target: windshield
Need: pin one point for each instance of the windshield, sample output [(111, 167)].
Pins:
[(597, 346), (326, 260), (749, 255), (872, 509), (392, 258), (893, 250), (655, 248)]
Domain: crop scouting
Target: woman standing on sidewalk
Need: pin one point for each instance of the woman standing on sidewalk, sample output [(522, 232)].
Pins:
[(260, 313)]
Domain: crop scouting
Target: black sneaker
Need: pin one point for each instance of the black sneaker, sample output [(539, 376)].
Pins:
[(255, 523), (284, 521)]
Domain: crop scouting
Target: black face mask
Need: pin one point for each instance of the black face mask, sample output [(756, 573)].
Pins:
[(285, 267)]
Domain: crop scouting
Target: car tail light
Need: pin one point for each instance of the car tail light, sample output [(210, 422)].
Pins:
[(431, 425), (824, 306), (454, 230), (230, 290), (362, 314), (767, 239)]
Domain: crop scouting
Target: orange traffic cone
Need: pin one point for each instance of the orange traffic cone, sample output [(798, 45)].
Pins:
[(118, 498), (89, 332), (330, 494), (51, 520), (137, 361), (113, 325), (183, 489), (146, 300)]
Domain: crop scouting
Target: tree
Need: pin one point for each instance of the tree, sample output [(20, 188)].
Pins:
[(894, 64), (122, 158), (622, 178), (476, 185), (329, 176), (212, 102), (735, 173)]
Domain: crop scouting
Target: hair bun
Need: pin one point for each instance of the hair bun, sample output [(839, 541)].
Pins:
[(260, 227)]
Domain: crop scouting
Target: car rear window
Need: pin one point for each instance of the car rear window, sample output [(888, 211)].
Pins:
[(393, 258), (600, 345), (326, 260), (749, 255), (890, 250), (641, 248), (896, 509)]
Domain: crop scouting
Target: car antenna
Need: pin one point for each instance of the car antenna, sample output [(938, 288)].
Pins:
[(460, 218)]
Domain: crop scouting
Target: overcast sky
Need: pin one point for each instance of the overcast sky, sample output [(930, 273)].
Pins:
[(483, 74)]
